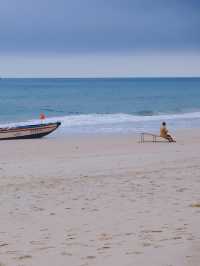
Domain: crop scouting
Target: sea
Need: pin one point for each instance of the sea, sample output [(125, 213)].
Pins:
[(101, 105)]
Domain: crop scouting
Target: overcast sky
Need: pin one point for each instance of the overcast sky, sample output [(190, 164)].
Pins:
[(99, 37)]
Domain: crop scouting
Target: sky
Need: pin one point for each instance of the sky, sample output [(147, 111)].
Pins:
[(99, 38)]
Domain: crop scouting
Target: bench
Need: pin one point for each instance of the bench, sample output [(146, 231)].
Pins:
[(153, 138)]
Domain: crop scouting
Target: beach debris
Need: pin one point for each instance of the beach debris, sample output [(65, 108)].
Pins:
[(195, 205)]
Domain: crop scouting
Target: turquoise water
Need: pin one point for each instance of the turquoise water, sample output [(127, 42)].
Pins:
[(102, 105)]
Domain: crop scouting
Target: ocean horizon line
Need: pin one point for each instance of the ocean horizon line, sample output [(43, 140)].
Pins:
[(109, 77)]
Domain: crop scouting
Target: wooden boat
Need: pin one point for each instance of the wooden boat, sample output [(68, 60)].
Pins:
[(29, 131)]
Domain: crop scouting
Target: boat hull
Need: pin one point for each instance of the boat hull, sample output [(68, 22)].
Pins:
[(28, 132)]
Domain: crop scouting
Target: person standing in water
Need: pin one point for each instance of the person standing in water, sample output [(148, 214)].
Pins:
[(164, 132)]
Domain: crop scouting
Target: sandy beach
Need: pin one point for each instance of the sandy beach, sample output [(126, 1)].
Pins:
[(100, 200)]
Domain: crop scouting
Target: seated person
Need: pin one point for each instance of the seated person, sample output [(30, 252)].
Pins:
[(164, 133)]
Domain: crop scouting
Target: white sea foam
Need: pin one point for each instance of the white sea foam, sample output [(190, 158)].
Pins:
[(98, 119), (120, 122)]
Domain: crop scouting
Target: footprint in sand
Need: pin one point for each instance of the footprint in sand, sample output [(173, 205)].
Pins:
[(64, 253), (12, 252), (176, 237), (104, 237), (35, 208), (134, 253), (158, 246), (36, 242), (91, 257), (71, 237), (146, 244), (105, 247), (3, 245), (24, 257), (129, 234), (45, 248), (44, 229)]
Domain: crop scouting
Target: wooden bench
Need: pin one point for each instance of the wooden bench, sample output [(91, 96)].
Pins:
[(153, 138)]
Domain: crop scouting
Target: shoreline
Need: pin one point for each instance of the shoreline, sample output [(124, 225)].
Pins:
[(115, 123)]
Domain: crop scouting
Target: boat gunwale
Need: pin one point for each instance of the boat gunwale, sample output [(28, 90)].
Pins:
[(27, 127)]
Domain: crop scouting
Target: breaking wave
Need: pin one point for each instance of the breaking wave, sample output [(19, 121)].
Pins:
[(117, 123)]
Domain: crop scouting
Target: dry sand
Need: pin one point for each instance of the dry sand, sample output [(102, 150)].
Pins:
[(101, 200)]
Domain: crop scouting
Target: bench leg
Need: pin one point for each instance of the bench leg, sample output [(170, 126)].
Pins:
[(142, 138)]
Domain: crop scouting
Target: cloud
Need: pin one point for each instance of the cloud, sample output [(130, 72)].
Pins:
[(99, 26)]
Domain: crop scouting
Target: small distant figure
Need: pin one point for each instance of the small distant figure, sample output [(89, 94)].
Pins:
[(164, 133), (42, 116)]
